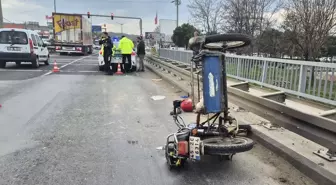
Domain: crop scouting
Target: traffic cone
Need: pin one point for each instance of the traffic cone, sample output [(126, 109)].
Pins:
[(55, 69), (119, 70)]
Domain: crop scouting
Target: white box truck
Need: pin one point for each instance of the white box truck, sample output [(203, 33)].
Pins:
[(72, 33)]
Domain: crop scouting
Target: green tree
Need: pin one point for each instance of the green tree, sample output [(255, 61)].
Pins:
[(329, 48), (182, 34), (269, 42)]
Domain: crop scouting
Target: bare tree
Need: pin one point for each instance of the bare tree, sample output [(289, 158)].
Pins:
[(206, 13), (251, 17), (310, 22)]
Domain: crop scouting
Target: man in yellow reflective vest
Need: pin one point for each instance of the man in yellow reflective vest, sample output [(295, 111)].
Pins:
[(126, 46)]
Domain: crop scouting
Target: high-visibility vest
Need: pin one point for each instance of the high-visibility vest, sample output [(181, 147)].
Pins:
[(102, 49), (126, 46)]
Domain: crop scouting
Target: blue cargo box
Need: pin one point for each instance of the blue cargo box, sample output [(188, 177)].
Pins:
[(213, 84)]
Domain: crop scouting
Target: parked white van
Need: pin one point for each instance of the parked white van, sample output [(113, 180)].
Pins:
[(22, 45)]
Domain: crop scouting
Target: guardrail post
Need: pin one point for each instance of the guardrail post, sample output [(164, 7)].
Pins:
[(180, 56), (264, 72), (302, 79), (238, 67)]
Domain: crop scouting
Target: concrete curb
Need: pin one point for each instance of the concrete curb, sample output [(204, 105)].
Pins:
[(164, 77), (307, 167)]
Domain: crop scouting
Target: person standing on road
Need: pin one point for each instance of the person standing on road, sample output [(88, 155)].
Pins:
[(141, 52), (126, 46), (107, 44)]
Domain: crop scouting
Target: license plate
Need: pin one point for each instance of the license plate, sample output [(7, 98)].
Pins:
[(195, 148), (68, 48), (13, 49), (116, 60)]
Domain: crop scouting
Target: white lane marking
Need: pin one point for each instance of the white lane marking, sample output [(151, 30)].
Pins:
[(83, 64), (23, 70), (62, 59), (63, 66), (90, 60), (83, 71), (70, 59)]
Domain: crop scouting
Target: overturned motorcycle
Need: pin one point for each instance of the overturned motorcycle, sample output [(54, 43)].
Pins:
[(220, 135)]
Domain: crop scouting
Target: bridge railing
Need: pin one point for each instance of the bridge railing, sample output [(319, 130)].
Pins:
[(311, 80)]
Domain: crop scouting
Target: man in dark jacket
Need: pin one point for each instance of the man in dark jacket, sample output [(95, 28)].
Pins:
[(141, 52), (108, 45)]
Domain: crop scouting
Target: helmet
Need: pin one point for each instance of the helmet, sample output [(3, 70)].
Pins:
[(186, 105)]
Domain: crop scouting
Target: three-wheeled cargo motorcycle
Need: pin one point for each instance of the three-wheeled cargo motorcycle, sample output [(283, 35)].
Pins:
[(220, 135)]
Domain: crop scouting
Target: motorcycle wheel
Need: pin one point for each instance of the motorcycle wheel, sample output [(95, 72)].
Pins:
[(226, 145)]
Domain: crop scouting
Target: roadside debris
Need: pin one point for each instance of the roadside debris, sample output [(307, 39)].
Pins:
[(158, 97), (157, 80)]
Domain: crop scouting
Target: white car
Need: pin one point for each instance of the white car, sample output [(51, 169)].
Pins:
[(22, 45), (101, 62), (96, 46)]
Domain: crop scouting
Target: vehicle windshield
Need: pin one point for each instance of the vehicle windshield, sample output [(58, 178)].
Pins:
[(13, 37)]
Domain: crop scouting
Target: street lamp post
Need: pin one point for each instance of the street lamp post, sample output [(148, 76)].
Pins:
[(121, 27), (55, 6), (177, 3), (1, 18)]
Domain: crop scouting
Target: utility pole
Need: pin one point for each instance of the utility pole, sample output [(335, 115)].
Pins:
[(1, 16), (177, 4), (54, 6), (121, 27)]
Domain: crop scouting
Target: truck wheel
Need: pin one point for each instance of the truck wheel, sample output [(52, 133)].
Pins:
[(2, 64), (225, 145), (85, 50), (36, 62)]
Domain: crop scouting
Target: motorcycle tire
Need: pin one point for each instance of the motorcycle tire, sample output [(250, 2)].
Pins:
[(225, 145)]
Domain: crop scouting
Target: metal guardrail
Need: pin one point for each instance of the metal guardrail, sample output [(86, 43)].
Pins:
[(312, 80), (315, 128)]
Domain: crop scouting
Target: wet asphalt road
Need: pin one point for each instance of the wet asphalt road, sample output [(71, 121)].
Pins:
[(80, 127), (74, 64)]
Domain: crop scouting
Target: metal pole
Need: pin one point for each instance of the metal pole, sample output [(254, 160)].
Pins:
[(140, 26), (55, 6), (177, 12), (1, 17), (177, 3)]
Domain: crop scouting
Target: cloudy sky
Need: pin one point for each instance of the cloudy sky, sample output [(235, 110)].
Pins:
[(36, 10)]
